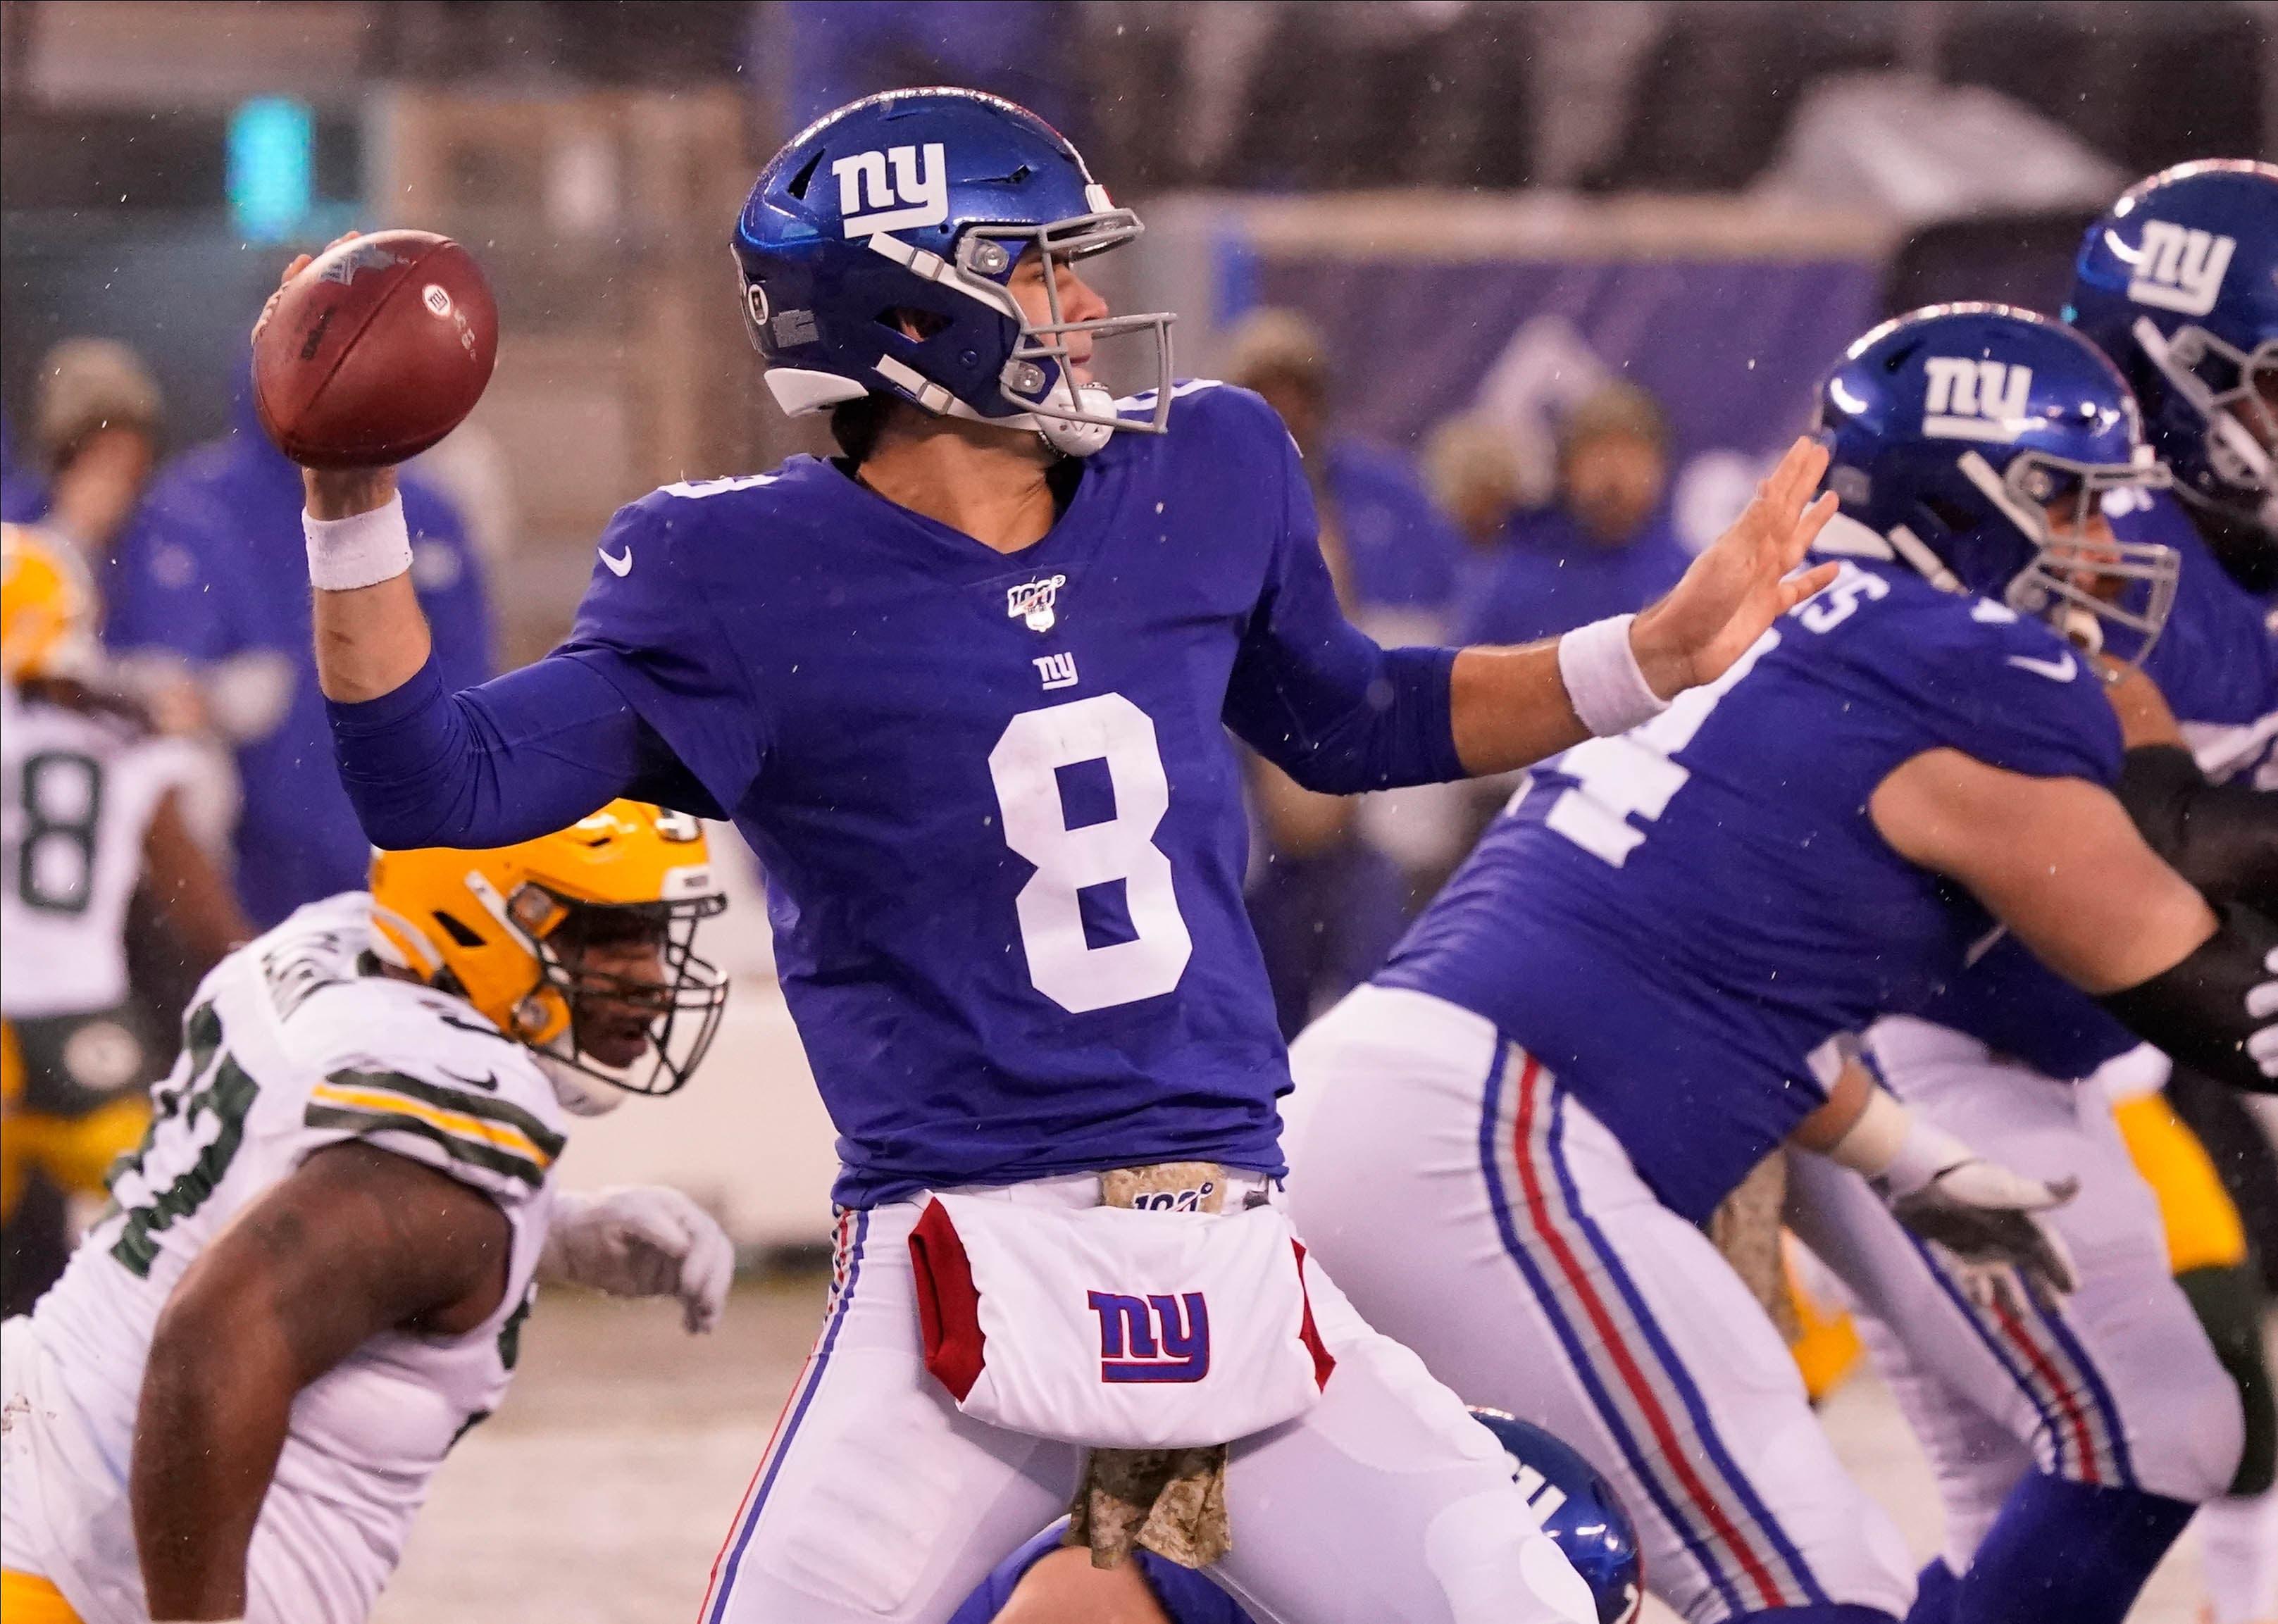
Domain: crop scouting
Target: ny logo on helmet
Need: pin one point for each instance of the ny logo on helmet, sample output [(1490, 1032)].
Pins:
[(2180, 267), (1972, 400), (918, 193)]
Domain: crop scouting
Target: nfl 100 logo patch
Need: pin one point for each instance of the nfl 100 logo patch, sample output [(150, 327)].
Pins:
[(1036, 602), (1152, 1339)]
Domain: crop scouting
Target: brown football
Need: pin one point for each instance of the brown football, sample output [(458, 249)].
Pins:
[(377, 349)]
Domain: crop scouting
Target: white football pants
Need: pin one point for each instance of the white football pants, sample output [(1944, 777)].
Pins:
[(876, 1500), (1471, 1206), (2117, 1387)]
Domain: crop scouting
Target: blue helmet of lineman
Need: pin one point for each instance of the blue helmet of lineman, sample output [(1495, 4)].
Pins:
[(2179, 285), (878, 248), (1578, 1510), (1987, 444)]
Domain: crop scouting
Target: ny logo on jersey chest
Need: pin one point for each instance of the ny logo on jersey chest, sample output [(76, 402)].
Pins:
[(1057, 670), (917, 194), (1152, 1339), (1972, 400), (2180, 267)]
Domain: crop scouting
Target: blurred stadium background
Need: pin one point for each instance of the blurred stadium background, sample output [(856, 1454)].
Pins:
[(1475, 225)]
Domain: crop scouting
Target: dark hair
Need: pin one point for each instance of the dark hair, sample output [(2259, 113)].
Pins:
[(856, 425)]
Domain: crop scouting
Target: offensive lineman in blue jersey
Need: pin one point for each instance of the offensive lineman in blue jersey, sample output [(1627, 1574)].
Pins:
[(1636, 989), (2178, 283), (966, 690)]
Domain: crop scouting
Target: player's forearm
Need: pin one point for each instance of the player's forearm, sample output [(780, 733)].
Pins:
[(1510, 708), (369, 639), (215, 1409), (2223, 838)]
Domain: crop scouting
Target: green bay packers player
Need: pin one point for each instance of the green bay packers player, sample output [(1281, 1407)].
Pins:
[(89, 808), (317, 1267)]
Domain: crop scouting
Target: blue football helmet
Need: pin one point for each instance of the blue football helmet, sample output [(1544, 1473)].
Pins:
[(1578, 1510), (1954, 431), (923, 202), (2179, 285)]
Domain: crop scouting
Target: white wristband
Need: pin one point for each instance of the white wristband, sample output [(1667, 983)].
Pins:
[(1890, 1143), (1608, 690), (359, 550)]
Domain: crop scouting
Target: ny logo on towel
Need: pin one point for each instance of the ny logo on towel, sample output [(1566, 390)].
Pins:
[(1152, 1339)]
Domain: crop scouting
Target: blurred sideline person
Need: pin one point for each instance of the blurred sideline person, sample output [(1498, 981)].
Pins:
[(1605, 545), (90, 806), (98, 418), (1642, 983), (1400, 552), (1049, 1581), (973, 715), (210, 574), (315, 1274)]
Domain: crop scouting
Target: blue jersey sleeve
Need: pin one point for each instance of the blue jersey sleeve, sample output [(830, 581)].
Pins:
[(523, 755), (651, 627), (1316, 696), (2014, 1004)]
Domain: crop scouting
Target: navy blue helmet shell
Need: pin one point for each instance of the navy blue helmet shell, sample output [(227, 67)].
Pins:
[(1578, 1510), (2178, 283), (876, 251), (1955, 432)]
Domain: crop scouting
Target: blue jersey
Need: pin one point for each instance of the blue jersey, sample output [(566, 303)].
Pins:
[(2217, 662), (1678, 920), (1002, 828)]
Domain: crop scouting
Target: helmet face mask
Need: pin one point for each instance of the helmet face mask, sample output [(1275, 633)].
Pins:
[(2082, 579), (931, 200), (675, 1012), (2234, 391)]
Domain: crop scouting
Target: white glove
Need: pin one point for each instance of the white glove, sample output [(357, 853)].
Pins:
[(2262, 1004), (640, 1240), (1981, 1214)]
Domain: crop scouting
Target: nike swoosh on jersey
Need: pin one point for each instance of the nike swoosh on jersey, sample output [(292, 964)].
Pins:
[(2062, 669), (618, 566)]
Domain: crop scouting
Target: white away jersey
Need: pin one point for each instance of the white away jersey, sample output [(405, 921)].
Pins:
[(287, 1049), (76, 793)]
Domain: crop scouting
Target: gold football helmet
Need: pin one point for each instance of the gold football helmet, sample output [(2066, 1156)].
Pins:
[(47, 607), (509, 930)]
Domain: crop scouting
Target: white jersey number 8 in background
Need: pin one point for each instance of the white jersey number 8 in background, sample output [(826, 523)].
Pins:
[(1024, 766)]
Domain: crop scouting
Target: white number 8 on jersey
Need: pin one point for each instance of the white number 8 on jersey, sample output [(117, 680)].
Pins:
[(1062, 964)]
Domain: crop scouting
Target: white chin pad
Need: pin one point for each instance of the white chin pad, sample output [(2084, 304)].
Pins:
[(1079, 440), (579, 1095)]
